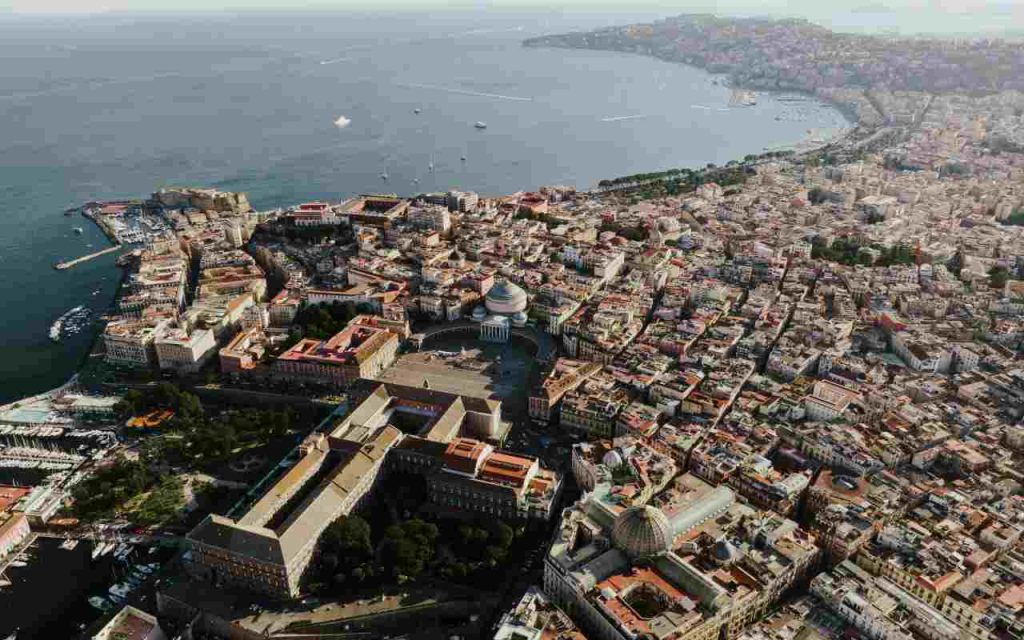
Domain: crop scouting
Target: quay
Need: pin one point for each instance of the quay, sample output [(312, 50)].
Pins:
[(60, 266), (14, 553)]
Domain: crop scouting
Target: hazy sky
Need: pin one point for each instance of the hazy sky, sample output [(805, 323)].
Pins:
[(962, 17), (790, 6)]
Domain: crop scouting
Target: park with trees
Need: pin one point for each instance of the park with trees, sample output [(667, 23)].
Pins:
[(396, 539), (146, 488), (196, 436), (128, 488)]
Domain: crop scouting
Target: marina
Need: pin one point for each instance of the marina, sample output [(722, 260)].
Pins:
[(44, 604)]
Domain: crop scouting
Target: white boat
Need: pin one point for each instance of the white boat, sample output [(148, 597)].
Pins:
[(417, 110), (69, 544), (119, 592), (101, 549), (79, 230), (743, 99), (480, 125), (100, 603)]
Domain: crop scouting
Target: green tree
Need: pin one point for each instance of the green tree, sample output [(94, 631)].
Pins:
[(407, 548), (350, 535), (1015, 219), (165, 395), (997, 277), (130, 404), (189, 407), (110, 487), (164, 502)]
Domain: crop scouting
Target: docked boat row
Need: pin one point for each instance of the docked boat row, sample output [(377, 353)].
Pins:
[(127, 223), (118, 594), (119, 550)]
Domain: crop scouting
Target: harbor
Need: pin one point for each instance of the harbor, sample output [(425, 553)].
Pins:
[(45, 604)]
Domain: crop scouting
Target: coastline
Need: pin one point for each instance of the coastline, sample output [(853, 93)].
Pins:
[(88, 209), (108, 231), (730, 81)]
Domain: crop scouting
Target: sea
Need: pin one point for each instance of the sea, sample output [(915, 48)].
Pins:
[(290, 108)]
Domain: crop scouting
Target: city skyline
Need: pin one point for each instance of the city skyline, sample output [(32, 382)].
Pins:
[(432, 325)]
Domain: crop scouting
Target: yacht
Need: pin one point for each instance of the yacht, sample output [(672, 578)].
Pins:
[(417, 110), (480, 125), (119, 592), (743, 98)]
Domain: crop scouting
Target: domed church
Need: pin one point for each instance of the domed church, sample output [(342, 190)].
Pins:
[(505, 308), (642, 531)]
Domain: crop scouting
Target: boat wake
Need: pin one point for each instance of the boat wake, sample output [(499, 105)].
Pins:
[(618, 118), (334, 60), (481, 32), (70, 323), (701, 107), (467, 92)]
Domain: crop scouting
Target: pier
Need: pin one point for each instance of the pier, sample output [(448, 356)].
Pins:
[(60, 266)]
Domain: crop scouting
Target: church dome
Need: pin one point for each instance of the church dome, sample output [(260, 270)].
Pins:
[(612, 459), (479, 314), (642, 531), (506, 298), (725, 552)]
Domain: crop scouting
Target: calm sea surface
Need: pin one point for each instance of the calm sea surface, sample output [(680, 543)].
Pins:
[(116, 107)]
